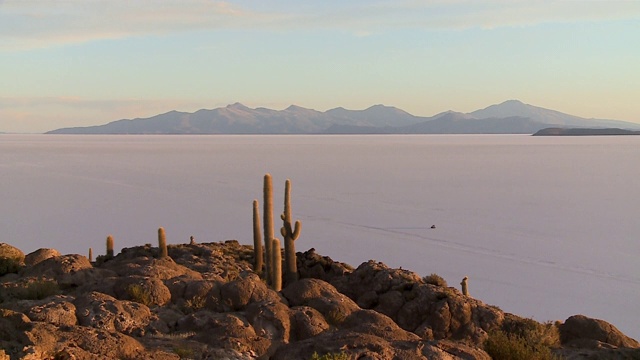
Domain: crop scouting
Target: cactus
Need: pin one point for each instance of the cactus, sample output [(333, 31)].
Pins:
[(257, 240), (162, 243), (90, 254), (290, 235), (465, 286), (109, 247), (268, 223), (276, 265)]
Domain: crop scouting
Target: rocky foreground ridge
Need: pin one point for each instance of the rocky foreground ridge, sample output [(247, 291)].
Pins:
[(204, 301)]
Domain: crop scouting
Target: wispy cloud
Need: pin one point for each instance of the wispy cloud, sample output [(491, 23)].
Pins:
[(37, 24)]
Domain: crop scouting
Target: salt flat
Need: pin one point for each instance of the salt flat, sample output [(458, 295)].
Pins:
[(543, 226)]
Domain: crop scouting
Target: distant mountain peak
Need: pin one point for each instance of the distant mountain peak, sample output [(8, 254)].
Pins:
[(237, 106), (295, 108), (452, 115), (380, 107), (511, 102)]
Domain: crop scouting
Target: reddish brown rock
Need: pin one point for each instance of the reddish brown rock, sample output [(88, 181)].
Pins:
[(58, 311), (582, 331), (149, 291), (40, 255), (104, 312), (237, 294), (322, 296), (306, 322)]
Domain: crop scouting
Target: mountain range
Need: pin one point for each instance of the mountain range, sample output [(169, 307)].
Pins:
[(509, 117)]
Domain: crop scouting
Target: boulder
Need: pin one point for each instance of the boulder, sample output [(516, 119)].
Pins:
[(84, 343), (40, 255), (13, 326), (271, 320), (357, 345), (322, 296), (237, 294), (58, 311), (313, 265), (104, 312), (144, 290), (68, 271), (582, 331), (125, 264), (375, 276), (229, 331), (374, 323), (444, 313), (430, 311), (306, 322)]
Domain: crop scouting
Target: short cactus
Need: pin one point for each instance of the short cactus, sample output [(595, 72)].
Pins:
[(276, 265), (268, 223), (162, 243), (257, 240), (290, 235), (109, 247), (465, 286)]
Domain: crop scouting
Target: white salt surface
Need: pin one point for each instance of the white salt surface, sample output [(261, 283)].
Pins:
[(545, 227)]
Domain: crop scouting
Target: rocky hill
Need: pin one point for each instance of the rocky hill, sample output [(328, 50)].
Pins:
[(204, 301), (509, 117)]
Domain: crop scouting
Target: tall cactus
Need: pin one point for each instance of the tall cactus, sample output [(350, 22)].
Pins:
[(268, 223), (109, 247), (257, 240), (290, 235), (90, 255), (276, 265), (162, 243)]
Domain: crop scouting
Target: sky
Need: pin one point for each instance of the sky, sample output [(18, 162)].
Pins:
[(81, 63)]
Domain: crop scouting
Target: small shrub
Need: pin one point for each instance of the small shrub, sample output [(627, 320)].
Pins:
[(177, 335), (445, 293), (184, 352), (8, 266), (139, 294), (194, 304), (331, 356), (38, 290), (335, 317), (435, 279), (523, 339), (545, 334)]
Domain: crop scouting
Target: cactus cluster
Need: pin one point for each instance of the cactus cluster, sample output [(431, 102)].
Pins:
[(273, 269)]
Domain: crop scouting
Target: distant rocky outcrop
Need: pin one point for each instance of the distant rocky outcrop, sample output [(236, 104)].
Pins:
[(554, 131), (204, 301), (509, 117)]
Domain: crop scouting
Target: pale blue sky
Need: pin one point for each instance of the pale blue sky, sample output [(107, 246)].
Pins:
[(80, 63)]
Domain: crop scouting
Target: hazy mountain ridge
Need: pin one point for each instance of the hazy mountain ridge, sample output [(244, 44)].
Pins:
[(509, 117)]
